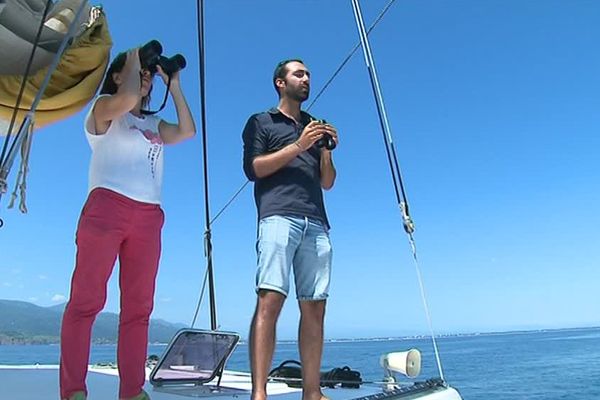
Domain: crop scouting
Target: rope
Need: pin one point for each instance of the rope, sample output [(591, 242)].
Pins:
[(21, 181), (394, 166)]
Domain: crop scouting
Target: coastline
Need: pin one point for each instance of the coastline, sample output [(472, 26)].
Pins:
[(23, 340)]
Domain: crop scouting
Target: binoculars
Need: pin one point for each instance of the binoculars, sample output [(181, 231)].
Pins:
[(326, 140), (151, 56)]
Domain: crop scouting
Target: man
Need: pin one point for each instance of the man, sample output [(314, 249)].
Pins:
[(285, 157)]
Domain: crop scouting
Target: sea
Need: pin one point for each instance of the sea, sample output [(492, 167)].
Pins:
[(533, 365)]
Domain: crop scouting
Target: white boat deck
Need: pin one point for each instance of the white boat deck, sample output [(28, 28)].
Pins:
[(40, 382)]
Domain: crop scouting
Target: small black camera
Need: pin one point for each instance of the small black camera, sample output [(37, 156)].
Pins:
[(326, 140), (151, 56)]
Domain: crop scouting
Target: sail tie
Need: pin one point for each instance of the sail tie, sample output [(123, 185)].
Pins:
[(21, 181)]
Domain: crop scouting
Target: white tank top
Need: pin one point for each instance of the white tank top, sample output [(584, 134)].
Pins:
[(127, 158)]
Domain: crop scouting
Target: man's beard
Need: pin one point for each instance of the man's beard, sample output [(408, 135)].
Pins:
[(299, 95)]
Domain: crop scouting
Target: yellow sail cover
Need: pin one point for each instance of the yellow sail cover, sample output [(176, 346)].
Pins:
[(72, 85)]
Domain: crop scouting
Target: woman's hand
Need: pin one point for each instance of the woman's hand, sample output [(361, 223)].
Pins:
[(132, 62), (165, 77)]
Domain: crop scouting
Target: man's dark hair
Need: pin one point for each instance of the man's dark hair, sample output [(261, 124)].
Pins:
[(109, 86), (281, 70)]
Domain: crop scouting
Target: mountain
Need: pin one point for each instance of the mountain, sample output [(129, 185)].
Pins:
[(26, 323)]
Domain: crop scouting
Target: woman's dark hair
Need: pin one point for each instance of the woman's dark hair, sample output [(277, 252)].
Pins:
[(109, 86)]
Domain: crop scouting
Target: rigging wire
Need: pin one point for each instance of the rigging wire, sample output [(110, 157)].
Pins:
[(325, 86), (230, 201), (349, 56), (394, 166), (239, 191)]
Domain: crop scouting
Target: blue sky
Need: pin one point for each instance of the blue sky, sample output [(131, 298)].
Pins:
[(494, 108)]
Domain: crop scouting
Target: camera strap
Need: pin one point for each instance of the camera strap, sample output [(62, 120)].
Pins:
[(164, 103)]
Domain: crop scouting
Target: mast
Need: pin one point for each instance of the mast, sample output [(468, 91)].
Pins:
[(207, 232)]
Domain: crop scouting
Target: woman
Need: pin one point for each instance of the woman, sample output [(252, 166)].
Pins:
[(121, 217)]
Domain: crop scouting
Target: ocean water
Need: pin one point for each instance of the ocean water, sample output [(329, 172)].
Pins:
[(551, 365)]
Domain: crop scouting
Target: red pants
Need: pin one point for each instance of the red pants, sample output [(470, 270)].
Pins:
[(110, 225)]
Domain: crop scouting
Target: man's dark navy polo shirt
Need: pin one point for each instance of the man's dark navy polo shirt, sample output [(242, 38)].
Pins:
[(295, 189)]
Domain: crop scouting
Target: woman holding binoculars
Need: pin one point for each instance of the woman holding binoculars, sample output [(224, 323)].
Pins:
[(121, 217)]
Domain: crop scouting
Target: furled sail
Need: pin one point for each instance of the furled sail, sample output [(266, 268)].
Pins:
[(79, 72), (53, 56)]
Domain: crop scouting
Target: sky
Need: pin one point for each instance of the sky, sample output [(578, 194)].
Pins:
[(494, 109)]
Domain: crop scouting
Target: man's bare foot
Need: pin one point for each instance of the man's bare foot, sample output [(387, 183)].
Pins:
[(258, 396), (316, 396)]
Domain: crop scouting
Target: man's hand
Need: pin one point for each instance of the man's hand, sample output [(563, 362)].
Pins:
[(328, 172), (315, 131), (330, 129), (311, 133)]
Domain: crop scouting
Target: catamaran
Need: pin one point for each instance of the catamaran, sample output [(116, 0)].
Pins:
[(39, 38)]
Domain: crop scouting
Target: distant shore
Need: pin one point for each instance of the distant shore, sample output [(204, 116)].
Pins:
[(7, 339)]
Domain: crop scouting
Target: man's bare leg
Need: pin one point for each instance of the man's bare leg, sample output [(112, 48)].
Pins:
[(310, 341), (262, 339)]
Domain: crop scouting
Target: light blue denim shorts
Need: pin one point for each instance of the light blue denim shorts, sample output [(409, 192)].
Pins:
[(303, 244)]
